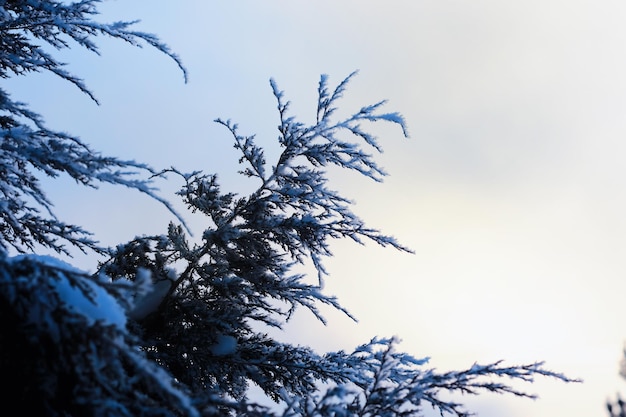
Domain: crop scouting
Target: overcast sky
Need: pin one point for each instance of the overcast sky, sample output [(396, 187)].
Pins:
[(510, 189)]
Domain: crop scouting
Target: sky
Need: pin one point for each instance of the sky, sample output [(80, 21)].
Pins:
[(510, 188)]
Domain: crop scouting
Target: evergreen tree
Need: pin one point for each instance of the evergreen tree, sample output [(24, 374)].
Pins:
[(171, 327), (28, 146)]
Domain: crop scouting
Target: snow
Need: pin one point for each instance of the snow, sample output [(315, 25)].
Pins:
[(102, 306), (226, 345), (151, 301)]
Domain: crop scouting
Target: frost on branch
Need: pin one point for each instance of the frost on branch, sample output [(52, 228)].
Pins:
[(65, 349), (240, 277), (59, 25), (387, 383), (169, 327), (28, 149)]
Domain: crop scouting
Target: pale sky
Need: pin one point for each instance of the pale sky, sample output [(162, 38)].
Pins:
[(511, 188)]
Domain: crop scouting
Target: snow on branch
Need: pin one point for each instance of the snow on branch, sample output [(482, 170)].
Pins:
[(241, 274), (29, 148), (387, 383), (171, 327), (56, 24), (71, 327)]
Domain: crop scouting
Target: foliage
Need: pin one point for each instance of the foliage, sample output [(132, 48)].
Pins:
[(66, 352), (171, 327), (28, 147)]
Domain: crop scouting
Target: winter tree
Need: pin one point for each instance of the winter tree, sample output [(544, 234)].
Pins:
[(170, 326)]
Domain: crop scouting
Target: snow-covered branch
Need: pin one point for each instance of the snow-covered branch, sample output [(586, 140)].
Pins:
[(28, 148)]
